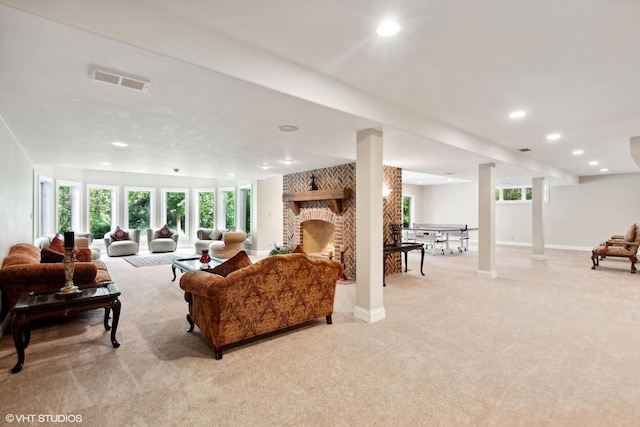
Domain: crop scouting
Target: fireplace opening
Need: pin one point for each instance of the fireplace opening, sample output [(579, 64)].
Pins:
[(318, 237)]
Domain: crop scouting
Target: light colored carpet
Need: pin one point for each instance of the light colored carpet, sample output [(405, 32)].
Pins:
[(547, 343)]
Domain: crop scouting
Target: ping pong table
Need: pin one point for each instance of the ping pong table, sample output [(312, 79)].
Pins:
[(443, 233)]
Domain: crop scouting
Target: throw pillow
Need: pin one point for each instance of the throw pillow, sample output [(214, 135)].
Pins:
[(48, 255), (299, 250), (236, 262), (216, 235), (119, 234), (165, 232), (631, 233), (57, 244), (82, 254)]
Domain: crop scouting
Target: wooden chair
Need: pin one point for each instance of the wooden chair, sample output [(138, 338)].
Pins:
[(627, 247)]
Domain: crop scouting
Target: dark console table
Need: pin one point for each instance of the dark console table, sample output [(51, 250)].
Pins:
[(402, 247), (33, 306)]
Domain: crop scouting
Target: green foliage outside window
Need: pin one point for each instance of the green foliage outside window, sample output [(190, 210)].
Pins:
[(512, 194), (230, 209), (406, 201), (206, 203), (99, 212), (497, 194), (139, 209), (529, 194), (176, 210), (64, 209), (247, 225)]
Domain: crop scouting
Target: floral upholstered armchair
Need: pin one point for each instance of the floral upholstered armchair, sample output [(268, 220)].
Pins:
[(619, 246)]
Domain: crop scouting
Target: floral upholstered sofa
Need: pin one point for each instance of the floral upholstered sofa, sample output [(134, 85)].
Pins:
[(253, 299)]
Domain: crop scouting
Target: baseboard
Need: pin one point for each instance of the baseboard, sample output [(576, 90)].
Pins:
[(492, 274), (538, 257), (369, 316), (561, 247)]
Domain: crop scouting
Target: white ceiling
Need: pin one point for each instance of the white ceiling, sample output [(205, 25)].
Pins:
[(224, 75)]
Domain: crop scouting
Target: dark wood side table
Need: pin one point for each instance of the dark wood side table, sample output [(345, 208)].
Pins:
[(32, 306), (402, 247)]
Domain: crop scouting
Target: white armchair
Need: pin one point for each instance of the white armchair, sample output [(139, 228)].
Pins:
[(162, 240), (122, 242)]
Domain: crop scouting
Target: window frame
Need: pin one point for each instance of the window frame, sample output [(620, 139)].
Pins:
[(76, 216), (114, 203), (525, 190), (163, 207), (152, 207), (196, 210)]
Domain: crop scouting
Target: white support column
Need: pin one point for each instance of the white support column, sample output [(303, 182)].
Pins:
[(369, 237), (486, 221), (537, 219)]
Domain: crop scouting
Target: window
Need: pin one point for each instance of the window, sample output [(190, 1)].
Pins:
[(68, 206), (228, 208), (518, 194), (102, 207), (205, 209), (139, 208), (244, 209), (45, 217), (512, 194), (175, 208), (406, 211)]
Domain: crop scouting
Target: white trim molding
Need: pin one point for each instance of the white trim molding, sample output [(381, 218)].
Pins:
[(369, 316)]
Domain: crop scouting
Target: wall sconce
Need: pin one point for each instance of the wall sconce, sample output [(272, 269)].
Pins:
[(385, 192)]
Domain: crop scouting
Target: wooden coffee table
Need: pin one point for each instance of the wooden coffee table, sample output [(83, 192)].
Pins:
[(33, 306)]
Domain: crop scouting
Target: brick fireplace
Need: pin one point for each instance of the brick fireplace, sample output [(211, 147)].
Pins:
[(339, 221)]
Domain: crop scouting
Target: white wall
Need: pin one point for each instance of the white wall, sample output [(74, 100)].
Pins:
[(269, 216), (16, 193), (589, 213), (576, 216), (450, 204)]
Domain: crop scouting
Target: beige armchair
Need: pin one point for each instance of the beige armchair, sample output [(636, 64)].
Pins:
[(232, 242)]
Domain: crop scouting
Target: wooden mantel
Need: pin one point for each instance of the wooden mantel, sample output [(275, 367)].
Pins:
[(335, 198)]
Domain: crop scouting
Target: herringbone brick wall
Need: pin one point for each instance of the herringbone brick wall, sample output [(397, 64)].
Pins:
[(338, 177)]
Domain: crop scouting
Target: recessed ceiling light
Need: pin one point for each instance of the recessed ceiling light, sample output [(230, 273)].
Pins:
[(231, 174), (577, 152), (593, 163), (553, 136), (604, 170), (388, 28), (518, 114), (287, 161), (288, 128), (105, 163), (119, 144), (266, 167)]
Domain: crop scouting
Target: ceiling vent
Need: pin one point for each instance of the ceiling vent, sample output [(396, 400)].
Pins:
[(119, 79), (524, 150)]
